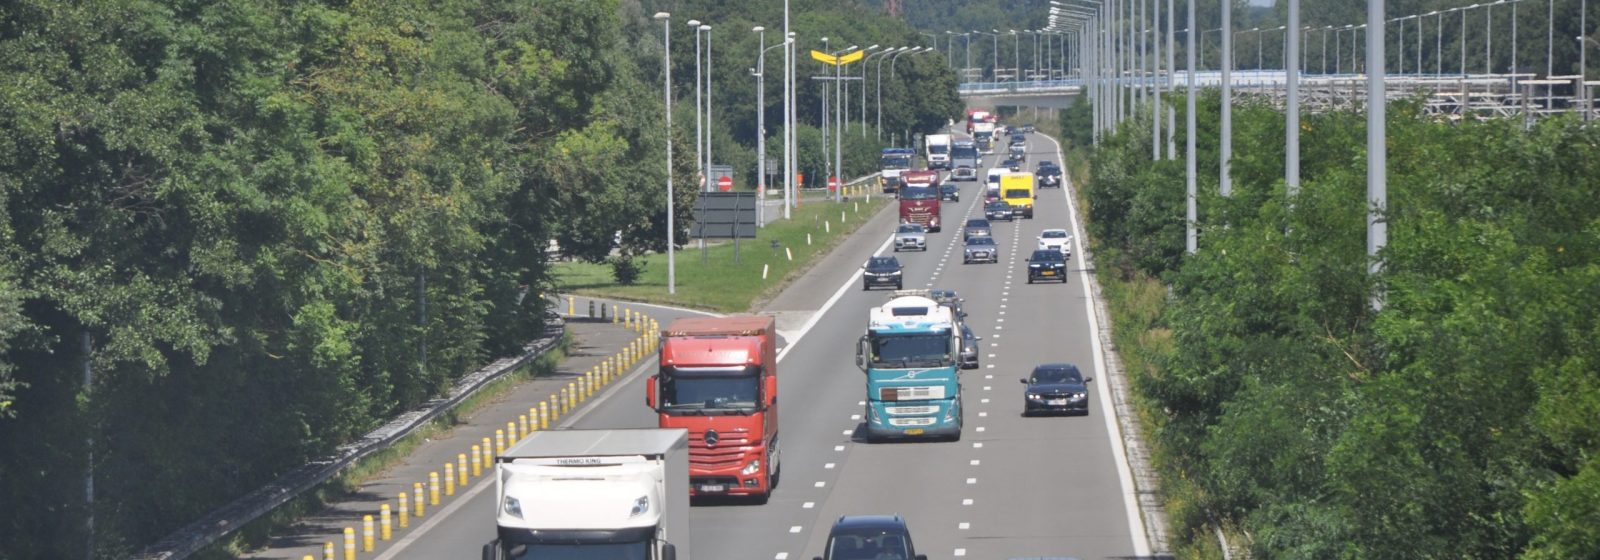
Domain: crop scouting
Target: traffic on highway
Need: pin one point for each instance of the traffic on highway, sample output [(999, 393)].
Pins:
[(905, 434)]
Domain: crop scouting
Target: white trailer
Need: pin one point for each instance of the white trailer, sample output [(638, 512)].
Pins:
[(938, 151), (593, 494)]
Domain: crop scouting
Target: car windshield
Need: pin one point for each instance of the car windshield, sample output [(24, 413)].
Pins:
[(686, 388), (947, 188), (1050, 256), (981, 240), (918, 193), (1057, 375), (911, 350), (875, 545), (882, 262), (895, 162), (998, 205), (910, 228), (1054, 234)]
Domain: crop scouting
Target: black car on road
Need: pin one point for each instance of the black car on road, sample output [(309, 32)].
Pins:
[(1056, 388), (998, 210), (950, 192), (976, 227), (1049, 174), (1028, 128), (882, 271), (969, 348), (1047, 264), (867, 537)]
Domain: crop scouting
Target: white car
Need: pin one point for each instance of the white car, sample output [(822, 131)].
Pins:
[(1056, 240)]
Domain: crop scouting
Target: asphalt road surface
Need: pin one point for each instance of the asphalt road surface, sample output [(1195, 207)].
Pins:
[(1011, 487)]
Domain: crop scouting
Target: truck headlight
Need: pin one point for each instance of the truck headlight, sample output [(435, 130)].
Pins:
[(752, 468), (641, 506), (512, 507)]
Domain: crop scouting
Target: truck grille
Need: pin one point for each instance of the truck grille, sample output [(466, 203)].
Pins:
[(920, 421), (728, 452), (912, 409)]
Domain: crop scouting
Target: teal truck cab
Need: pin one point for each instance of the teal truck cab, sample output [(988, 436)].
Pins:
[(909, 354)]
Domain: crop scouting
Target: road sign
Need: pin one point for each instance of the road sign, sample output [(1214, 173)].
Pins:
[(725, 183), (833, 184), (724, 216)]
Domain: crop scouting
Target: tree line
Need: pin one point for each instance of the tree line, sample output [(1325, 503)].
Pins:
[(237, 234), (1457, 422)]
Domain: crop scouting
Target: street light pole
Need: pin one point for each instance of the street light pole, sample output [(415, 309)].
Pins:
[(709, 180), (1191, 239), (788, 115), (699, 105), (1377, 151), (1226, 149), (879, 102), (666, 88), (1172, 112), (1291, 167)]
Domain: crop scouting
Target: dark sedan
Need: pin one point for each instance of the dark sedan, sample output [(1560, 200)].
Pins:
[(950, 192), (1053, 388), (998, 210), (1049, 175), (881, 271), (969, 348), (1047, 264)]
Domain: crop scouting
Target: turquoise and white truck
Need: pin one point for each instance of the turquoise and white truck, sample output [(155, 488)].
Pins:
[(909, 354)]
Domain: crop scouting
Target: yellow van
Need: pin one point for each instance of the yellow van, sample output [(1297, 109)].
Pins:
[(1017, 190)]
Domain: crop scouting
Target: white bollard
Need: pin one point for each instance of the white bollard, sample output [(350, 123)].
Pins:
[(808, 240), (826, 227), (763, 272), (788, 253)]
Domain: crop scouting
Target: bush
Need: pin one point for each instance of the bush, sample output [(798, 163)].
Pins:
[(626, 270)]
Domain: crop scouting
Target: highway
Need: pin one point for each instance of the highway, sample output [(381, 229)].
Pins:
[(1011, 487)]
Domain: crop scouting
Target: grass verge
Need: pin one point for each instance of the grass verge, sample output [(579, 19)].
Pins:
[(256, 534), (1136, 305), (715, 281)]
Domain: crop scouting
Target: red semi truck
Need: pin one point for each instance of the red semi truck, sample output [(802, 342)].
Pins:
[(919, 199), (719, 379)]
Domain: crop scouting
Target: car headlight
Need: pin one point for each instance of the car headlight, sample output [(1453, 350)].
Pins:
[(641, 506), (1033, 396), (752, 468), (512, 507), (895, 273), (1033, 266)]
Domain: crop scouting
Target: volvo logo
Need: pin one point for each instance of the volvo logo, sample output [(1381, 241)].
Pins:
[(712, 438)]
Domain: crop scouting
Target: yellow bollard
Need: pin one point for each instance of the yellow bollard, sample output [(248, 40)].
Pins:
[(477, 460), (449, 479), (422, 508), (384, 523), (511, 435), (572, 395), (544, 415), (555, 408), (533, 419), (499, 443), (366, 533), (593, 382), (522, 424), (570, 307), (627, 318), (583, 389), (461, 469), (605, 370), (349, 543), (613, 313), (327, 551), (488, 455), (405, 510), (433, 488)]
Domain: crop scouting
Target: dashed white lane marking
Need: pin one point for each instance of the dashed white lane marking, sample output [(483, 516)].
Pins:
[(992, 355), (794, 529), (838, 448), (989, 376), (857, 416), (964, 526), (986, 387), (781, 556), (972, 481), (1002, 313), (980, 428), (808, 505), (961, 552), (973, 462), (1002, 306), (1000, 320), (998, 327), (977, 445), (989, 366), (827, 466), (982, 415), (861, 403), (997, 336), (819, 484), (966, 502), (984, 401), (847, 432), (993, 344)]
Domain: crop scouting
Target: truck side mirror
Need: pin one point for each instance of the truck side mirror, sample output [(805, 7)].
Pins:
[(922, 557), (491, 550), (650, 391), (861, 353), (769, 385), (669, 552)]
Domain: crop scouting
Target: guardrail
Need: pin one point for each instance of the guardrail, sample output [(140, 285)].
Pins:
[(229, 518)]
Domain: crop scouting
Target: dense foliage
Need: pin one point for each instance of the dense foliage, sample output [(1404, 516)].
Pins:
[(265, 227), (1458, 422)]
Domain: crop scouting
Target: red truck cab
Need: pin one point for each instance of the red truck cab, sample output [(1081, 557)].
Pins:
[(718, 378), (919, 199)]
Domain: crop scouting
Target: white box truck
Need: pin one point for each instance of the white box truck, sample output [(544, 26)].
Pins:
[(593, 494), (938, 148)]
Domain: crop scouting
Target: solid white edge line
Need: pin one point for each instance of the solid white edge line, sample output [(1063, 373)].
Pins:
[(1130, 502), (812, 322)]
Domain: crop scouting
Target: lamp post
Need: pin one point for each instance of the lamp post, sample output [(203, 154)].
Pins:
[(864, 62), (879, 102), (1191, 240), (1377, 150), (996, 67), (966, 42), (838, 132), (1225, 152), (699, 107), (666, 88), (761, 118), (709, 181)]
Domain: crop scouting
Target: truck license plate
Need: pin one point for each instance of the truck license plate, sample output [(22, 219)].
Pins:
[(713, 488), (914, 432)]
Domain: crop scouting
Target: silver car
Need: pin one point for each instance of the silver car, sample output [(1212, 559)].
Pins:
[(980, 248), (910, 236)]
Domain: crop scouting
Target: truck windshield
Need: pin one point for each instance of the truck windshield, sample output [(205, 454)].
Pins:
[(915, 350), (710, 389), (918, 193), (965, 152), (938, 148), (1018, 193), (895, 162), (609, 551)]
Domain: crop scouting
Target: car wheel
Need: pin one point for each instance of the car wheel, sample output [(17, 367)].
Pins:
[(899, 286), (1030, 279)]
